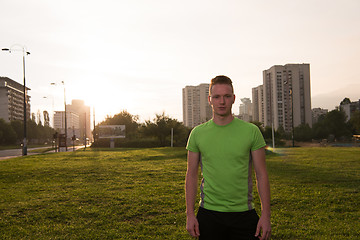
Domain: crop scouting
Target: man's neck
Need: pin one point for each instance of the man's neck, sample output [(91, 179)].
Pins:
[(223, 120)]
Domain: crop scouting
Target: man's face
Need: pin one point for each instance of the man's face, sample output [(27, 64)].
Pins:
[(222, 98)]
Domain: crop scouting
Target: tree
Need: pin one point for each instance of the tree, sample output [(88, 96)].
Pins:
[(280, 132), (32, 130), (18, 127), (260, 126), (268, 132), (334, 123), (345, 101), (161, 127), (13, 132), (38, 114), (319, 130), (46, 118), (8, 135), (47, 133), (303, 133), (41, 135), (355, 122), (124, 118)]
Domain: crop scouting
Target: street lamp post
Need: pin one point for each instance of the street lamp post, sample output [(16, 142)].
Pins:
[(63, 83), (65, 117), (94, 132), (23, 49), (52, 107), (85, 130)]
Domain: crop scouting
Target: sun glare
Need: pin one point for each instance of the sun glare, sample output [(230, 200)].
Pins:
[(97, 98), (107, 98)]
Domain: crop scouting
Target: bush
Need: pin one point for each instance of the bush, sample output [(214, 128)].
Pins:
[(8, 135)]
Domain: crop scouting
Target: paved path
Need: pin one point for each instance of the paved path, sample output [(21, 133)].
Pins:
[(11, 153)]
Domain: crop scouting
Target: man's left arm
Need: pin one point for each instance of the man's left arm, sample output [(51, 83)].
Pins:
[(263, 186)]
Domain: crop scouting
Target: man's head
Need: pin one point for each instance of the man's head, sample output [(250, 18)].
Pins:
[(221, 79), (221, 96)]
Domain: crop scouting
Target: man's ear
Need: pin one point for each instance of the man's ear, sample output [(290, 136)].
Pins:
[(209, 100)]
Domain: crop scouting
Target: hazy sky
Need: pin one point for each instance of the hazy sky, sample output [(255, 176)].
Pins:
[(139, 54)]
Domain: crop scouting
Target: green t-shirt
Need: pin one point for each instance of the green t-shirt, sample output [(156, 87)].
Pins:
[(225, 158)]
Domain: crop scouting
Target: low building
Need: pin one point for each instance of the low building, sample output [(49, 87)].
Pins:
[(350, 108), (316, 113)]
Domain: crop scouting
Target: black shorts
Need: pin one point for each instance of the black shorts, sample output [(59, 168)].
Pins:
[(227, 225)]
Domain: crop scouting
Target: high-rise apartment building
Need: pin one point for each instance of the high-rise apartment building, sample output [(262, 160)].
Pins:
[(258, 104), (286, 96), (72, 123), (12, 100), (196, 108), (245, 109), (77, 120), (83, 111)]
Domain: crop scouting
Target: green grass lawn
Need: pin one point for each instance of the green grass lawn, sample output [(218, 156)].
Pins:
[(139, 194)]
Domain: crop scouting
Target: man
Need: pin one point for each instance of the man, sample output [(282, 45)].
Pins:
[(226, 148)]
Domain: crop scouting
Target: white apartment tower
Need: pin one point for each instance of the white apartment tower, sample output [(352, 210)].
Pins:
[(258, 104), (83, 111), (286, 96), (72, 123), (77, 120), (245, 110), (196, 108), (12, 100)]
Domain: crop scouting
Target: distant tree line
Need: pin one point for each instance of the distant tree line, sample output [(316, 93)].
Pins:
[(151, 133), (332, 126), (13, 132)]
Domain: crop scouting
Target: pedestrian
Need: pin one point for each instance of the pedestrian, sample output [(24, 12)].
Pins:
[(227, 149)]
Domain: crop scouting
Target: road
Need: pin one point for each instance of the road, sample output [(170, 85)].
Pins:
[(11, 153)]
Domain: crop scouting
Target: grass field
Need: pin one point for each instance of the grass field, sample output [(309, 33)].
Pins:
[(139, 194)]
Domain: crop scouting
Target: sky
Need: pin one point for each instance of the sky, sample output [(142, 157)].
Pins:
[(137, 55)]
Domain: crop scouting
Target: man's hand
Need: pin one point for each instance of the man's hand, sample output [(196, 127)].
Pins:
[(262, 179), (192, 226), (264, 227)]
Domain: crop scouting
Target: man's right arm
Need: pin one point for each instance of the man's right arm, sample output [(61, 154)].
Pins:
[(191, 180)]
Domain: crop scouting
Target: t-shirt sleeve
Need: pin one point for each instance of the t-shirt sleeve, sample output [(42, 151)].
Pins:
[(258, 139), (191, 144)]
